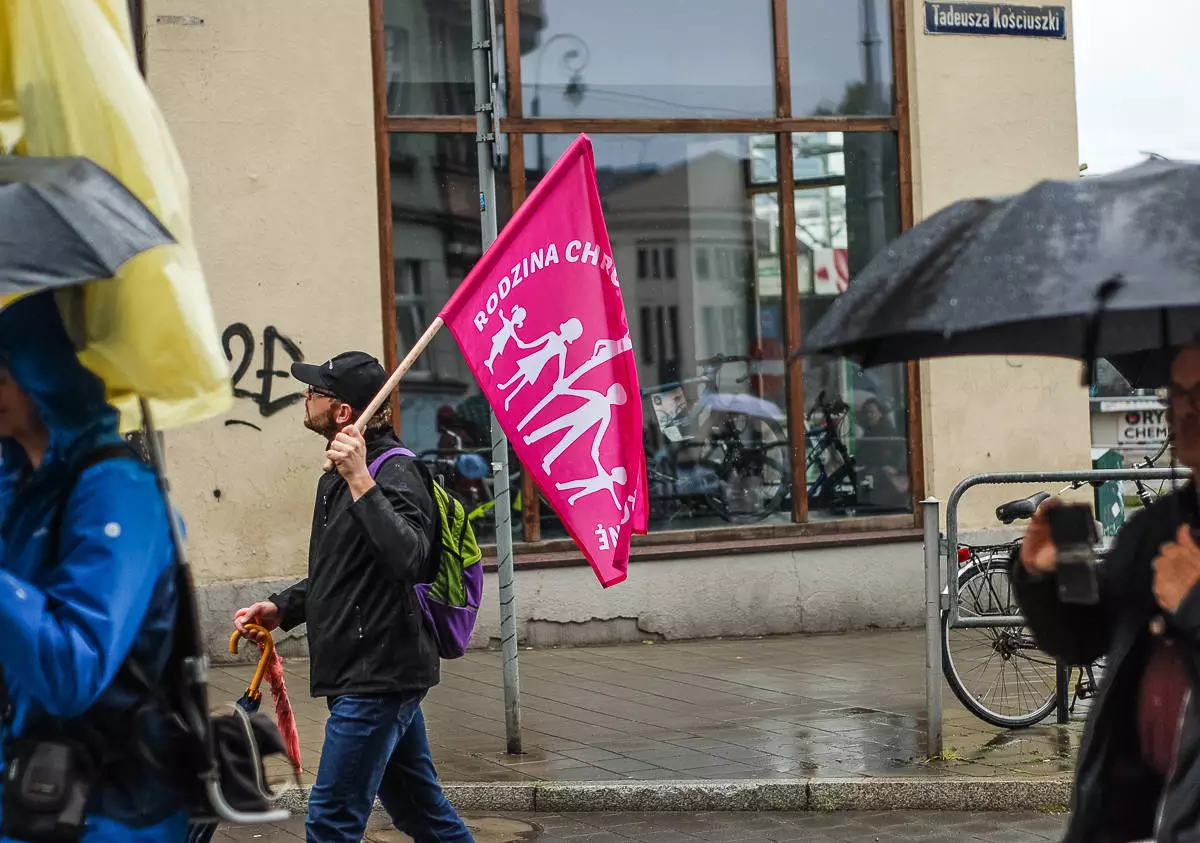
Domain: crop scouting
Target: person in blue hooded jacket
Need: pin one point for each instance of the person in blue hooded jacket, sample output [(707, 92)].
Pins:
[(87, 610)]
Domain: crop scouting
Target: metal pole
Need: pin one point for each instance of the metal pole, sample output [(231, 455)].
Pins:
[(482, 34), (873, 143), (933, 629), (1062, 682)]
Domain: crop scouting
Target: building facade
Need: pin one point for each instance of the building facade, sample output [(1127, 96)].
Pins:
[(752, 156)]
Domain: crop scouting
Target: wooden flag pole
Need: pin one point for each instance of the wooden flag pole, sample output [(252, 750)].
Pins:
[(394, 380)]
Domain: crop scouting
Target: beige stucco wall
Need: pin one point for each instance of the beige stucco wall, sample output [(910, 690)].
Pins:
[(270, 104), (993, 115)]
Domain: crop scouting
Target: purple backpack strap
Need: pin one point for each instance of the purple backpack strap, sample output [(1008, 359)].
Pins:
[(378, 462)]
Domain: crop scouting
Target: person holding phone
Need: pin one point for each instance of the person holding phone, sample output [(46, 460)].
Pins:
[(1138, 772)]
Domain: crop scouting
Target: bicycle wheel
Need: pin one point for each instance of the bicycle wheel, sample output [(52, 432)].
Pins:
[(997, 673), (752, 472)]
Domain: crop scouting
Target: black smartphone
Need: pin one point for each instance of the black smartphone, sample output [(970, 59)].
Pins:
[(1073, 531)]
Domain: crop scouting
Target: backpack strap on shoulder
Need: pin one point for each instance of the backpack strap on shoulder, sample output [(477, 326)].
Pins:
[(378, 462)]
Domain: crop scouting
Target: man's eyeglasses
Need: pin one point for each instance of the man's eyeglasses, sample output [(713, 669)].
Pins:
[(310, 391), (1179, 395)]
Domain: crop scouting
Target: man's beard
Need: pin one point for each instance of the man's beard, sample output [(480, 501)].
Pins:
[(322, 423)]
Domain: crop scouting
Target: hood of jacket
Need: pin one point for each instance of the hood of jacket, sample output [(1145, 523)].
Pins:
[(70, 399)]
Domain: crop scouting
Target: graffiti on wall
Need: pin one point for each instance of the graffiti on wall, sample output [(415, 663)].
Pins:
[(240, 344)]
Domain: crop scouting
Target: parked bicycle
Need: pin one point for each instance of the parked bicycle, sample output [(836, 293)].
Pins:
[(835, 491), (1000, 674), (723, 451)]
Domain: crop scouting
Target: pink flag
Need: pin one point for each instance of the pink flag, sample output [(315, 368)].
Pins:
[(541, 323)]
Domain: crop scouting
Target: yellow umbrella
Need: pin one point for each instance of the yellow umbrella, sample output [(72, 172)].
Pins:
[(70, 86)]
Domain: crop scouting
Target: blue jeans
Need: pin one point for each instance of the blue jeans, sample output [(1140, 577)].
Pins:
[(377, 745)]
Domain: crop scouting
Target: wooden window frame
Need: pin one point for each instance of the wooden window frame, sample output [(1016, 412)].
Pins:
[(801, 531)]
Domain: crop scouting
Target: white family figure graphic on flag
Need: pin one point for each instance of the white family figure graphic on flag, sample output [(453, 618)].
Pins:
[(531, 366), (505, 334), (604, 351), (597, 409), (605, 481)]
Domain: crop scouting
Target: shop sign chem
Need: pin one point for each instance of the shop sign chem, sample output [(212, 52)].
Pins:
[(1142, 427)]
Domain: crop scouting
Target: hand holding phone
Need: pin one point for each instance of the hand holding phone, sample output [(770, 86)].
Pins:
[(1073, 534)]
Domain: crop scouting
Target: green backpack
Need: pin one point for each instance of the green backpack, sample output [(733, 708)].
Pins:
[(451, 602)]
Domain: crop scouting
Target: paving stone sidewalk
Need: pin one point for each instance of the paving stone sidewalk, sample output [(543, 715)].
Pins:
[(848, 827), (776, 707)]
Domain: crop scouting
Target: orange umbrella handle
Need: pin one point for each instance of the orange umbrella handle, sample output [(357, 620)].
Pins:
[(267, 647)]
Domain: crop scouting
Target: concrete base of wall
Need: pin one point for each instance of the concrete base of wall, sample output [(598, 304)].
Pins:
[(826, 590)]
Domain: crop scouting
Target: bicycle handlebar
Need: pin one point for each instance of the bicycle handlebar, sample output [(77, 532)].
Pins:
[(837, 408), (1143, 492), (1150, 461), (722, 359)]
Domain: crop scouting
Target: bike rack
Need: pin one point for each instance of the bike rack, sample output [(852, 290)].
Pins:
[(941, 581)]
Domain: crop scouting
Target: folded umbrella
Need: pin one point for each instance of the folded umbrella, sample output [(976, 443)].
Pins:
[(270, 667), (1104, 266)]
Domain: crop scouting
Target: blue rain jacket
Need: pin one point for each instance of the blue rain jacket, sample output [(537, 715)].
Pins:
[(68, 622)]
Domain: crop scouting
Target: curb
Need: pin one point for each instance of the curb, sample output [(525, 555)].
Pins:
[(820, 794)]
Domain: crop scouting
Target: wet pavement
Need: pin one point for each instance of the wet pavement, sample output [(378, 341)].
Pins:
[(848, 827), (775, 707)]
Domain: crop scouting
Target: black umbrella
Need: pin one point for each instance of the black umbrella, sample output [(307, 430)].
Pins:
[(67, 221), (1104, 266), (1150, 369)]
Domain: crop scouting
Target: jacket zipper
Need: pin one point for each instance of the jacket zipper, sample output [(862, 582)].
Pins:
[(358, 617), (1162, 799)]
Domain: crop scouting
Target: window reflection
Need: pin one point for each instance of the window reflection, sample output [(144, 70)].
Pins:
[(840, 52), (649, 58), (427, 56), (847, 209), (436, 241)]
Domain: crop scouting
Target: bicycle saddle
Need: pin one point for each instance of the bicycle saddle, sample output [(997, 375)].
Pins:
[(1020, 510)]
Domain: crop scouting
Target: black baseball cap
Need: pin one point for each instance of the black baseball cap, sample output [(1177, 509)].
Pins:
[(354, 377)]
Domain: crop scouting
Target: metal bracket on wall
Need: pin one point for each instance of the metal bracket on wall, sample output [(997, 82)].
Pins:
[(943, 553), (482, 45)]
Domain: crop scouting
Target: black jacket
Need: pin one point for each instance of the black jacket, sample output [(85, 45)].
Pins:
[(366, 631), (1117, 797)]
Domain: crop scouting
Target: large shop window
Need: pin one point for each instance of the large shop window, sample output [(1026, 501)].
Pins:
[(696, 243), (840, 52), (696, 224), (436, 241), (847, 209), (648, 58)]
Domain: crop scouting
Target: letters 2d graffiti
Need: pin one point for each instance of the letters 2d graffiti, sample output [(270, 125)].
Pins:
[(263, 398)]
